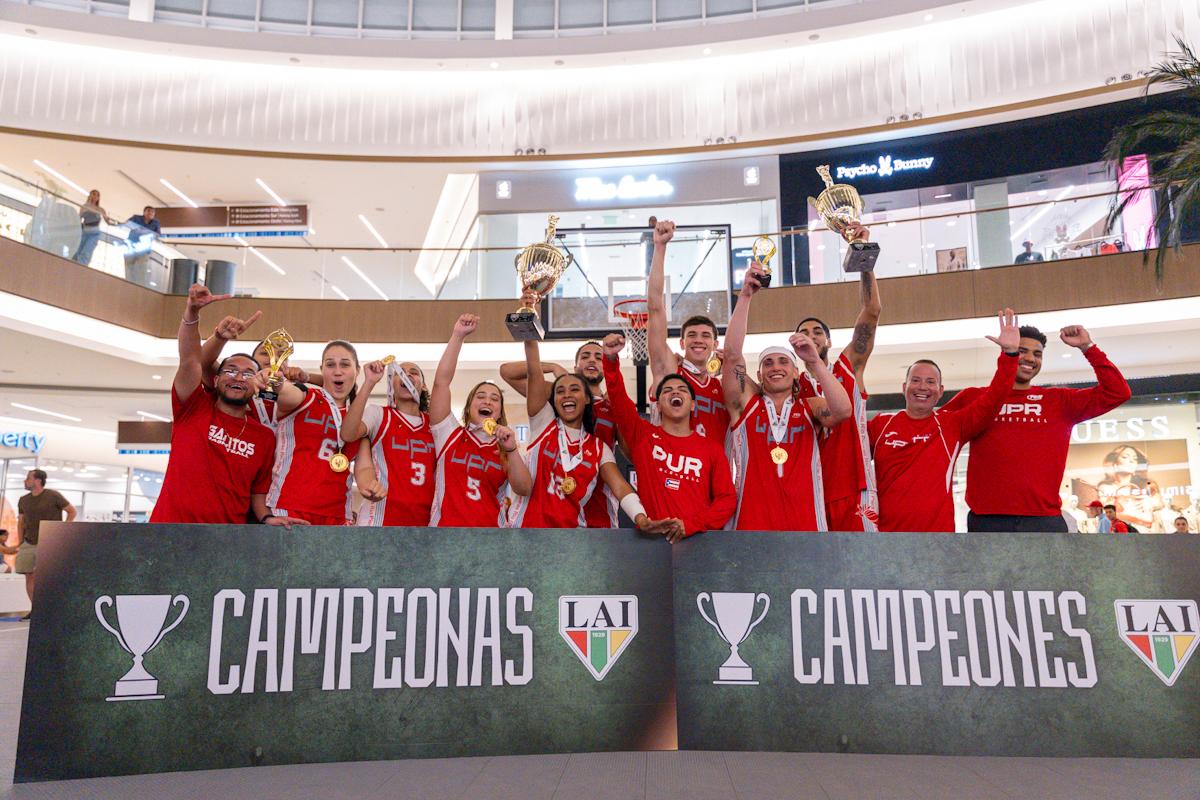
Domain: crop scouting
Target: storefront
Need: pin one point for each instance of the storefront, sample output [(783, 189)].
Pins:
[(972, 198)]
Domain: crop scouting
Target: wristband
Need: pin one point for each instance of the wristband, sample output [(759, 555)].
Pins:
[(196, 321), (631, 504)]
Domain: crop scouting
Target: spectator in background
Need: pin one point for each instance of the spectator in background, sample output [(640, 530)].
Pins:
[(12, 551), (40, 505), (1181, 525), (90, 216), (143, 230), (1029, 254), (1109, 522), (647, 240)]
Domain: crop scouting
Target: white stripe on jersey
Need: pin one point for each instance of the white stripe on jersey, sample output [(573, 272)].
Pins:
[(285, 448), (818, 478), (439, 485), (738, 450)]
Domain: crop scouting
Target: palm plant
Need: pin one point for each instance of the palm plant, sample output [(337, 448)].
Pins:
[(1171, 140)]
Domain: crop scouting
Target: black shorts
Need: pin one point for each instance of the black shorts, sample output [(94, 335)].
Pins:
[(1011, 523)]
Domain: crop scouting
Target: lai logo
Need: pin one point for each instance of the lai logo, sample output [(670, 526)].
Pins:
[(598, 628), (1162, 632)]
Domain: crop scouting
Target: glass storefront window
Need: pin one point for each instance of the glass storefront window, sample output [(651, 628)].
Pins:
[(99, 492)]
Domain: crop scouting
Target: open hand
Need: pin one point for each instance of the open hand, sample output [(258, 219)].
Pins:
[(285, 522), (1010, 331)]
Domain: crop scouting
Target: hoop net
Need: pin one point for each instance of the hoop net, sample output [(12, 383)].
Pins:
[(634, 316)]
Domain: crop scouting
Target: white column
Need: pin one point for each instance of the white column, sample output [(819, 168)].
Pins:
[(141, 10), (504, 19)]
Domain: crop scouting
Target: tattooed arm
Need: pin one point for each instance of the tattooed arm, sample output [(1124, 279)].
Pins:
[(737, 386), (862, 341)]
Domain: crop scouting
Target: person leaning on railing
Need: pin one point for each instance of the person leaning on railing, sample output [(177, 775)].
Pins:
[(91, 214)]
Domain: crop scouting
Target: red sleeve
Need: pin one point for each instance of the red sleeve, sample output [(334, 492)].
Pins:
[(723, 500), (975, 416), (961, 400), (262, 480), (875, 427), (1110, 390), (181, 408), (624, 411)]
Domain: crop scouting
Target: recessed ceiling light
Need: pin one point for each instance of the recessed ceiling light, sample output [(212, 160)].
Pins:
[(1066, 355), (363, 275), (929, 17), (156, 377), (181, 195), (338, 292), (707, 51), (148, 415), (494, 65), (503, 190), (268, 262), (263, 185), (374, 232), (943, 195), (37, 410), (61, 177)]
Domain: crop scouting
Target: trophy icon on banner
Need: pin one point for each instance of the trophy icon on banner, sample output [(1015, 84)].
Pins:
[(279, 347), (539, 266), (734, 612), (140, 620), (841, 207), (762, 251)]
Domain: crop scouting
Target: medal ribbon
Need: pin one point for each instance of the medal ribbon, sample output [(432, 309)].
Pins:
[(337, 416), (405, 381), (692, 368), (569, 461), (779, 423)]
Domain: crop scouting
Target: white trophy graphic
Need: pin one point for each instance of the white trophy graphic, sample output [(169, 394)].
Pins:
[(734, 612), (140, 620)]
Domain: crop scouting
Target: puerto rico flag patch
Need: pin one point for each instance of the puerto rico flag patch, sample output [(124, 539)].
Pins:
[(672, 483), (1163, 633), (598, 628)]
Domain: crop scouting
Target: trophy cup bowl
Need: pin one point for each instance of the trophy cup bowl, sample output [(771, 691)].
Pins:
[(539, 266), (840, 206), (734, 612), (140, 620), (279, 346), (762, 251)]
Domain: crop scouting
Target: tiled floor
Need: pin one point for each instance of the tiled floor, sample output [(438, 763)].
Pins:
[(618, 776)]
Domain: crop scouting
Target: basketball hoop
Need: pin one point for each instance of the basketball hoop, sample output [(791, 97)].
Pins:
[(634, 316)]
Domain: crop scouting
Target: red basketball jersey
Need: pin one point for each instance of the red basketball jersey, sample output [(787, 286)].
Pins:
[(600, 511), (777, 497), (302, 481), (405, 459), (710, 418), (470, 479), (549, 505)]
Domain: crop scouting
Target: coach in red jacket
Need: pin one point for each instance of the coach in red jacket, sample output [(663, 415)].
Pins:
[(1016, 465)]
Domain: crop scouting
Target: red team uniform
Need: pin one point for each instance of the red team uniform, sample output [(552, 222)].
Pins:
[(303, 485), (600, 511), (851, 500), (777, 497), (710, 418), (686, 477), (548, 506), (405, 459), (470, 480), (217, 462), (914, 458), (1027, 441)]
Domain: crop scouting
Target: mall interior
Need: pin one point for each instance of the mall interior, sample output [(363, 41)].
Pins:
[(368, 170)]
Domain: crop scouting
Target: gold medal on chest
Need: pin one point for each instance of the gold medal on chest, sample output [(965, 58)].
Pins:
[(779, 455), (338, 462), (568, 485)]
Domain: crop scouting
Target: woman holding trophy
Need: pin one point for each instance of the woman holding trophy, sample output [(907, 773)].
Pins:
[(477, 461), (568, 463), (311, 479)]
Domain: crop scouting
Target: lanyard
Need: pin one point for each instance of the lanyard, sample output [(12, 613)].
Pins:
[(779, 430), (337, 415), (406, 381), (569, 461)]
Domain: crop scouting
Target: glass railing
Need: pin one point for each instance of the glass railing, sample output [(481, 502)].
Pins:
[(709, 260)]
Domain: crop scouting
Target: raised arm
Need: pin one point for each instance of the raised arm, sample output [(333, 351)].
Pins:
[(519, 479), (863, 338), (1111, 389), (191, 370), (833, 405), (624, 411), (737, 386), (353, 427), (975, 416), (537, 390), (663, 360), (516, 374), (227, 330), (439, 395)]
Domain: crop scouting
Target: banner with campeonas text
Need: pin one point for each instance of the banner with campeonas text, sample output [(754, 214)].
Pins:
[(979, 644), (174, 647)]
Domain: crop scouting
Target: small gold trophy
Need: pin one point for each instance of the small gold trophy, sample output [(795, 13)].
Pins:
[(279, 346), (762, 252), (840, 206), (539, 267)]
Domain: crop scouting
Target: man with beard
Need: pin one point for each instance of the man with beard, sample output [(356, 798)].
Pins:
[(1016, 465), (221, 458)]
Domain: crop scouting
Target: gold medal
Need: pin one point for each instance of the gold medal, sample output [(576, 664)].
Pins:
[(779, 455), (387, 360), (489, 426), (714, 365), (338, 462), (568, 485)]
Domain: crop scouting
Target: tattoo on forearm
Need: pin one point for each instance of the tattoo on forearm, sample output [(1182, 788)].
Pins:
[(825, 412), (740, 373), (865, 282), (862, 336)]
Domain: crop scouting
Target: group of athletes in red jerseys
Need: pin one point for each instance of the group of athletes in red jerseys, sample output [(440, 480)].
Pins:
[(787, 448)]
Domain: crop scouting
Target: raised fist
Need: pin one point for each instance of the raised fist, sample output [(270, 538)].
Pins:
[(664, 231), (613, 344), (466, 325)]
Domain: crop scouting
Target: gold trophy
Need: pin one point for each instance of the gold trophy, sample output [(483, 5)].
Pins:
[(840, 206), (539, 267), (279, 346), (762, 252)]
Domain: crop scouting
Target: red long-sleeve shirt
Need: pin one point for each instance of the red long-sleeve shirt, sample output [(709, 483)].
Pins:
[(1016, 464), (914, 458), (685, 477)]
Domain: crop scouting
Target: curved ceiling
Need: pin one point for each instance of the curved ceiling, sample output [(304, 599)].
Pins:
[(933, 66)]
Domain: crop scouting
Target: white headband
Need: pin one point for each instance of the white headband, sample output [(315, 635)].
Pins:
[(777, 351)]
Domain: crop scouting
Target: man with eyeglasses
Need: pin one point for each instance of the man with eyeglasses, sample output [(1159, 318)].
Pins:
[(221, 457)]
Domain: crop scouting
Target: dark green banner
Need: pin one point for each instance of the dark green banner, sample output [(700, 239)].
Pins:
[(161, 648), (1000, 644)]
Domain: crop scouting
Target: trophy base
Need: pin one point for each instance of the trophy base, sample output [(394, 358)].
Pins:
[(525, 326), (144, 689), (861, 257), (267, 394), (765, 280), (728, 675)]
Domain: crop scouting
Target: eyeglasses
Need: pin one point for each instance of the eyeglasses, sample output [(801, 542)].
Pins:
[(244, 374)]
